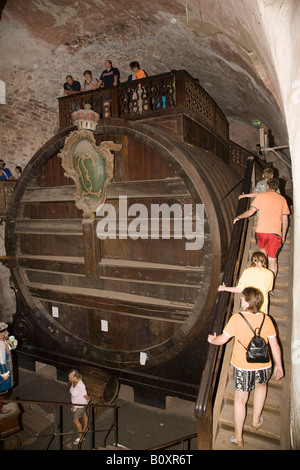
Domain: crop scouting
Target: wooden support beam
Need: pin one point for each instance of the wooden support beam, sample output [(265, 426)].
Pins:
[(92, 251)]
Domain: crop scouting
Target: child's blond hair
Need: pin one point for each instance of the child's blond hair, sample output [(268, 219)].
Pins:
[(268, 173), (259, 256)]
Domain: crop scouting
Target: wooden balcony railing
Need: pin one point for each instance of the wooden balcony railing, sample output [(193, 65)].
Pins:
[(238, 159), (152, 95), (144, 98), (6, 189)]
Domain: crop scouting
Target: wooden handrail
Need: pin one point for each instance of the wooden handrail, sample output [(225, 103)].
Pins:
[(204, 402)]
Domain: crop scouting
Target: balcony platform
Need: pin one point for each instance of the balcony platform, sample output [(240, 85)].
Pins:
[(173, 101)]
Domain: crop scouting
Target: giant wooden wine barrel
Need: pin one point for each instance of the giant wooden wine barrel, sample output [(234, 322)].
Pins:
[(107, 301)]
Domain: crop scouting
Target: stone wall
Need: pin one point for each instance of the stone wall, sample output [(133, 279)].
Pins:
[(220, 43), (7, 294), (285, 48), (26, 123)]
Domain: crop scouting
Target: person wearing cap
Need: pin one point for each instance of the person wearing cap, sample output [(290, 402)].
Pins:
[(6, 368)]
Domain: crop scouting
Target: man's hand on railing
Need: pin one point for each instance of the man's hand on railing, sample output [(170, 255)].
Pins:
[(245, 214)]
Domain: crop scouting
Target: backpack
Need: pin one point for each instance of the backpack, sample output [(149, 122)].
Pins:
[(257, 349)]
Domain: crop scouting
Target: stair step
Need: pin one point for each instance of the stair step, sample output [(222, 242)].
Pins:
[(251, 442), (272, 382), (268, 437), (270, 428), (278, 313), (35, 419), (282, 272), (285, 245), (272, 404), (279, 296), (281, 283)]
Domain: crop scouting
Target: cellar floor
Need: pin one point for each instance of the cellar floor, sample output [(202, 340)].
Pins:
[(140, 427)]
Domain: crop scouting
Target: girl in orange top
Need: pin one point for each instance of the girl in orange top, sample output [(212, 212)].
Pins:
[(248, 376), (137, 73)]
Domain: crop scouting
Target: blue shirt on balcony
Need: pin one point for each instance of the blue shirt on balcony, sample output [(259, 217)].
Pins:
[(5, 174)]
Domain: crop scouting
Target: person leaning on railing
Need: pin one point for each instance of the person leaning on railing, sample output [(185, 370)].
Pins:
[(89, 83), (109, 77), (5, 173), (71, 86), (18, 172), (137, 72)]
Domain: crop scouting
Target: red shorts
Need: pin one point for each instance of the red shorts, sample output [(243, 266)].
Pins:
[(270, 242)]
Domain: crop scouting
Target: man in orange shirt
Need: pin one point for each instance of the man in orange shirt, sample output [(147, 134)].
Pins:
[(272, 222)]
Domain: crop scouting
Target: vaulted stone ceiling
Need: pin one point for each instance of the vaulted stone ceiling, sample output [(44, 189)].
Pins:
[(222, 43)]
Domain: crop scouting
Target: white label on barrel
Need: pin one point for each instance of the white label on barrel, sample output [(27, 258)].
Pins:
[(143, 358), (55, 312), (104, 325)]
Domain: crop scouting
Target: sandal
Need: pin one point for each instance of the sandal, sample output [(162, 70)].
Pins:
[(76, 442), (237, 442), (256, 426)]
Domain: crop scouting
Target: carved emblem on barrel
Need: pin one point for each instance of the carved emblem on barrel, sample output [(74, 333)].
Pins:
[(90, 166)]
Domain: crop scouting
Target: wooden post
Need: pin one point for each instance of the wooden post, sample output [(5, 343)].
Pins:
[(57, 437), (115, 113), (180, 90), (205, 429), (92, 252), (10, 422)]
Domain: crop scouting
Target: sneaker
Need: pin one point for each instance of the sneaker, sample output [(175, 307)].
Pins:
[(238, 442), (256, 426)]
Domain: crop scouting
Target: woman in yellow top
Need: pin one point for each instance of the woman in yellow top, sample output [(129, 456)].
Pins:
[(257, 275), (249, 376)]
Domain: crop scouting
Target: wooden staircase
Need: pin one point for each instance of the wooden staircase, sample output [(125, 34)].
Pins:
[(274, 434)]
